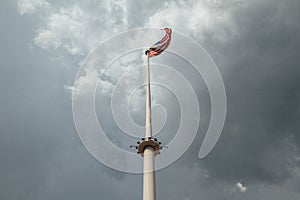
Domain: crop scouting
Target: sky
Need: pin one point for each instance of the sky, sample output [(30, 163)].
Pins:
[(255, 45)]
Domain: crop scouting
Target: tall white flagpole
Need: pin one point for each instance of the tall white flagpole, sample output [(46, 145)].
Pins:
[(149, 190), (149, 147)]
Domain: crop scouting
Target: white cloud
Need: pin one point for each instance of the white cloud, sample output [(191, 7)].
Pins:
[(30, 6), (65, 29), (241, 187), (75, 28), (85, 82), (197, 19), (69, 89)]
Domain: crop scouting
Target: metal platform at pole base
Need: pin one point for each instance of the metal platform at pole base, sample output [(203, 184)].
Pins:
[(148, 148)]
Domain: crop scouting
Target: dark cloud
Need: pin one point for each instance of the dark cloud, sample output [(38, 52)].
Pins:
[(261, 73)]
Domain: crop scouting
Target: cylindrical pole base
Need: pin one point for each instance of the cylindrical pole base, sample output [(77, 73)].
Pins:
[(149, 191)]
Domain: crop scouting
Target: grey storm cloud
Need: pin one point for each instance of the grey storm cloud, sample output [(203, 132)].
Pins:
[(256, 46)]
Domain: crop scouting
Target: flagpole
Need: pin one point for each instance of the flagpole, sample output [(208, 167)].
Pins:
[(149, 189), (148, 102), (148, 147)]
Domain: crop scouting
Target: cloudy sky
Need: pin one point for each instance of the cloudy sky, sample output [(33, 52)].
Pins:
[(255, 45)]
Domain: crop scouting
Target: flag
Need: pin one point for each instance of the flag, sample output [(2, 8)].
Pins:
[(161, 45)]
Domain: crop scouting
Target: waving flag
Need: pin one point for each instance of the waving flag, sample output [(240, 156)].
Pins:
[(161, 45)]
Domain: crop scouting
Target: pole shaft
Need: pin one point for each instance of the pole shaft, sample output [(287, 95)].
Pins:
[(149, 190), (148, 102)]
